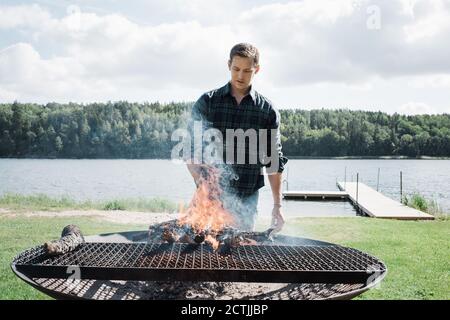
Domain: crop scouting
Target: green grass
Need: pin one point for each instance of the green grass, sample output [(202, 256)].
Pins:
[(43, 202), (420, 202), (416, 253), (141, 204)]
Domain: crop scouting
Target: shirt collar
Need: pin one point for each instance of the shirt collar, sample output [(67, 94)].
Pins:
[(227, 90)]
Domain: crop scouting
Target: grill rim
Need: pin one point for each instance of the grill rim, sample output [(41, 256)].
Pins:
[(200, 274), (139, 236)]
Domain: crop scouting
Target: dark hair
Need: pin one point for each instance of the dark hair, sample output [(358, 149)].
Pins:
[(245, 50)]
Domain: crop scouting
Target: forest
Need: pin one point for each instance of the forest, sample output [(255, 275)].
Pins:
[(143, 131)]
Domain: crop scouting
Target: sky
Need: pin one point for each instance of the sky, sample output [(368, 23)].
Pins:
[(387, 55)]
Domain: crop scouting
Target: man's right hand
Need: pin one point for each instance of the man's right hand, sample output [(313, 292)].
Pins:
[(277, 218)]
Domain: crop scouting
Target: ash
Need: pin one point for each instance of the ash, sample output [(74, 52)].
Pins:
[(199, 290), (147, 290)]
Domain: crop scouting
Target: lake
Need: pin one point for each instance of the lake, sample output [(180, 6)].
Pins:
[(123, 178)]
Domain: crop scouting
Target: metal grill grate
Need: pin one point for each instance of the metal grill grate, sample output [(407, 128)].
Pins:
[(186, 262)]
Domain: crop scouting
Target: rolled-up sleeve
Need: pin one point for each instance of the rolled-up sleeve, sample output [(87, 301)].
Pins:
[(274, 123)]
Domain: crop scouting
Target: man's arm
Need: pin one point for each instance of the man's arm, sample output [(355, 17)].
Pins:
[(275, 181), (275, 178), (198, 113)]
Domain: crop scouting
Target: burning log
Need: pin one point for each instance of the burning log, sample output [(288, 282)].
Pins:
[(170, 231), (71, 238), (227, 238), (232, 238)]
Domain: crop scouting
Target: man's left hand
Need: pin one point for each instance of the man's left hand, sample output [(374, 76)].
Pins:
[(277, 218)]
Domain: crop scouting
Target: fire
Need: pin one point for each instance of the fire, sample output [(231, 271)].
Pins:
[(212, 241), (206, 211)]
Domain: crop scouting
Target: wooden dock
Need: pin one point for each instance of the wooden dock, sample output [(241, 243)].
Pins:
[(377, 205), (368, 201), (314, 195)]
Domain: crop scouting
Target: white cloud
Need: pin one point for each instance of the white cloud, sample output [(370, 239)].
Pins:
[(6, 95), (87, 56), (23, 16), (116, 58), (24, 72), (413, 108), (313, 41), (17, 63), (431, 81), (429, 20)]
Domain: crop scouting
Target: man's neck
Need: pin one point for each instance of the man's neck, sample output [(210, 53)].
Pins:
[(239, 93)]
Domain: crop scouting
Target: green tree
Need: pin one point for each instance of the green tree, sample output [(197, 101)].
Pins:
[(58, 144)]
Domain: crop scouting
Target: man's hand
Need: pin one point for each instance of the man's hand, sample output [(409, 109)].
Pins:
[(277, 214), (277, 218)]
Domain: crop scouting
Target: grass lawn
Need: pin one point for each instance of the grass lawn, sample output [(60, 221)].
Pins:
[(416, 253)]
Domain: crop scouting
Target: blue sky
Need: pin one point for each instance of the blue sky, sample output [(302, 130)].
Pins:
[(358, 54)]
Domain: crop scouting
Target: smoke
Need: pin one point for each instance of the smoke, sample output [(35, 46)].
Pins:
[(241, 155), (293, 233)]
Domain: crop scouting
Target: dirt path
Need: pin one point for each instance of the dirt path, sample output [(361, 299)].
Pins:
[(122, 217)]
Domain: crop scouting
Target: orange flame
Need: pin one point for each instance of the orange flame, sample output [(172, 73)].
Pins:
[(206, 211), (212, 241)]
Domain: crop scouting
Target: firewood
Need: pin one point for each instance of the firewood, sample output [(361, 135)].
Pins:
[(232, 238), (71, 239), (229, 237), (168, 231), (169, 236)]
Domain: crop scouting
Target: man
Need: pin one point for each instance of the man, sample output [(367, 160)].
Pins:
[(238, 106)]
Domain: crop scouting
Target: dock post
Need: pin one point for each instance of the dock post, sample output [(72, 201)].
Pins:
[(345, 177), (401, 187), (378, 178), (357, 182), (287, 179)]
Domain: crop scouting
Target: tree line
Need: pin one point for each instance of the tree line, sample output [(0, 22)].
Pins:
[(143, 130)]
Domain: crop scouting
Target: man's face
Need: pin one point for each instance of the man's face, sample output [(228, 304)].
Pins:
[(242, 72)]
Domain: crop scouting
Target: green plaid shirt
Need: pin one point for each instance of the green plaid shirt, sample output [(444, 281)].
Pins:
[(219, 109)]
